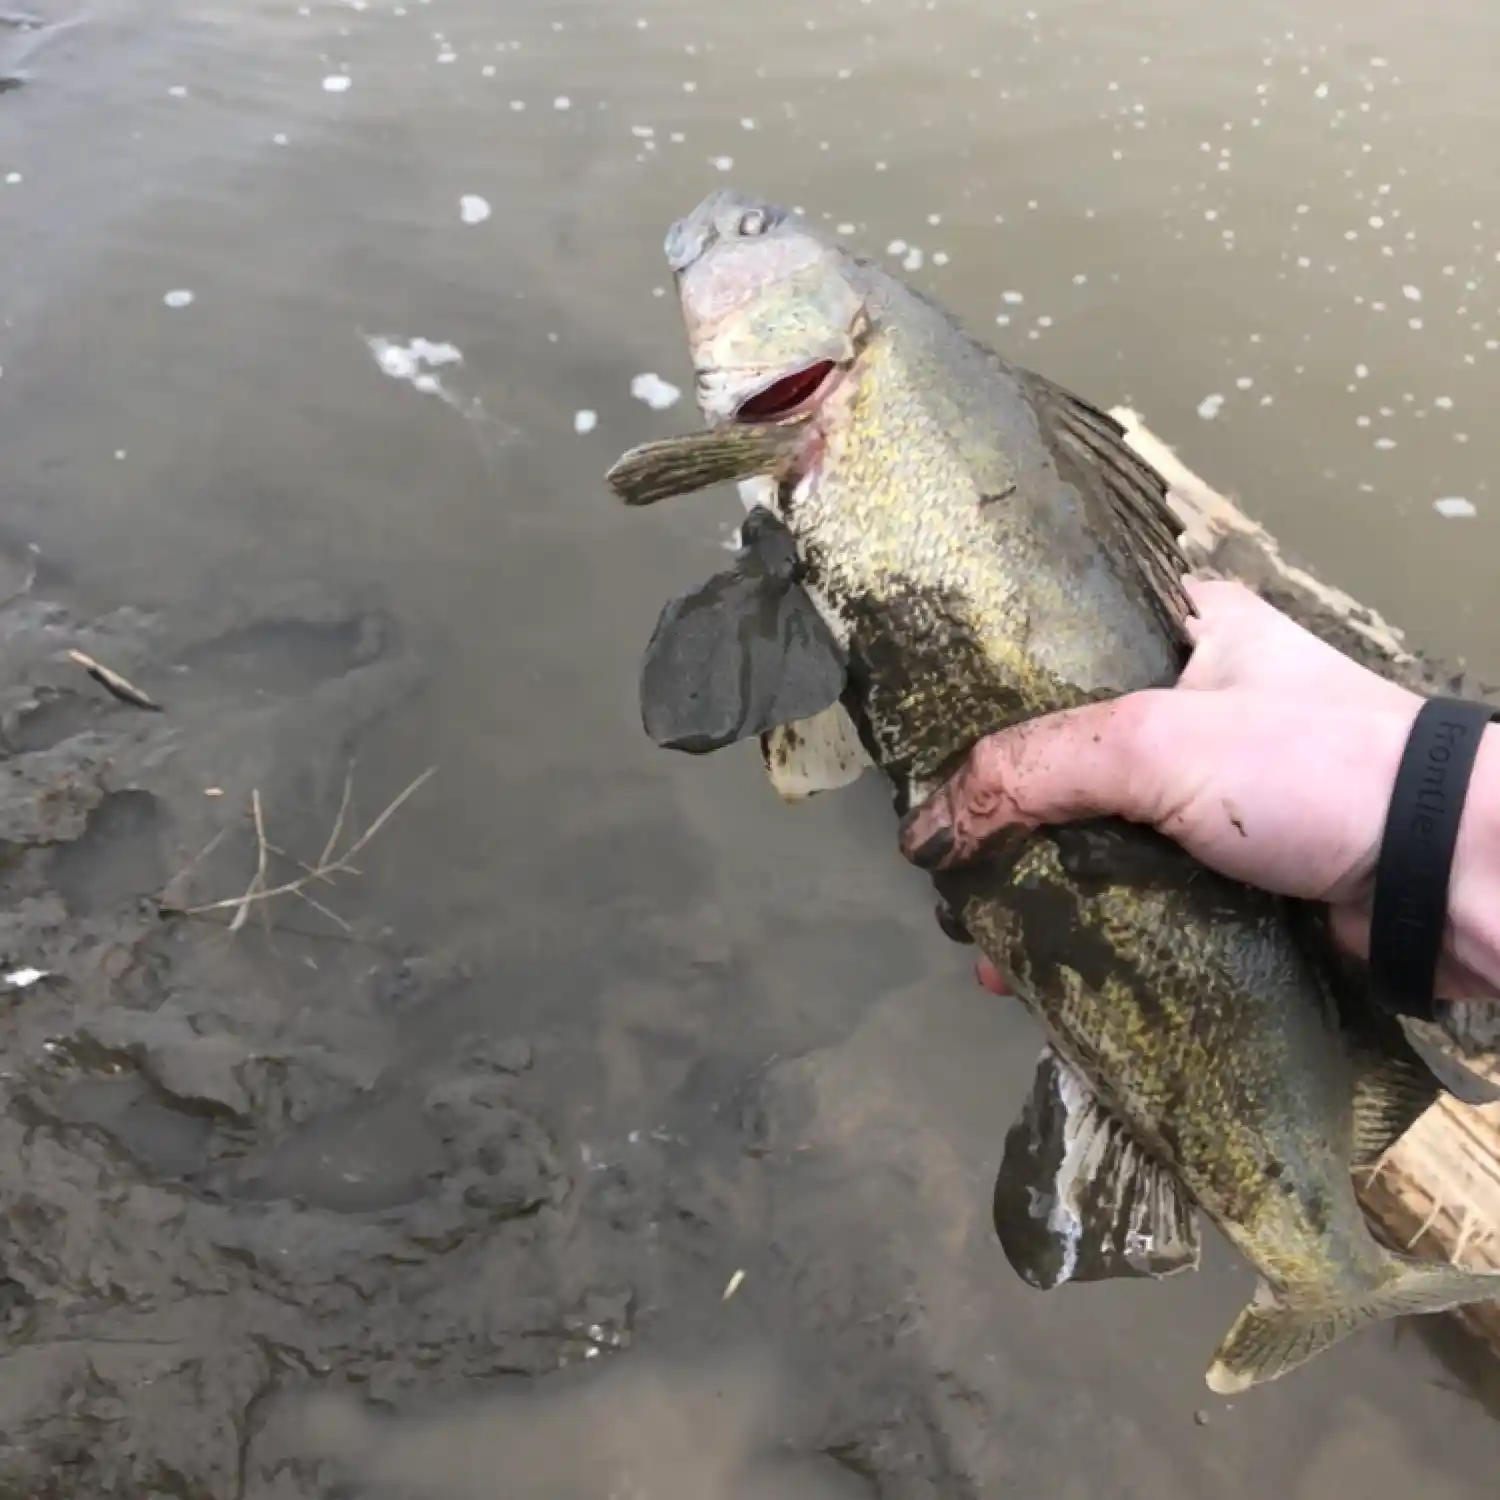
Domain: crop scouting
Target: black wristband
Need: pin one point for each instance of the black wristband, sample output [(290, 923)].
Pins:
[(1410, 908)]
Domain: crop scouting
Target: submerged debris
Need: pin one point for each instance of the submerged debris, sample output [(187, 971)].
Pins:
[(121, 687)]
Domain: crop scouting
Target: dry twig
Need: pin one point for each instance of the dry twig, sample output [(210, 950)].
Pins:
[(329, 863), (120, 687)]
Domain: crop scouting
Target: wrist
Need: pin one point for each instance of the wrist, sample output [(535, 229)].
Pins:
[(1473, 934)]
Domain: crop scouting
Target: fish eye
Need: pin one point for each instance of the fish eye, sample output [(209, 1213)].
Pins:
[(755, 221)]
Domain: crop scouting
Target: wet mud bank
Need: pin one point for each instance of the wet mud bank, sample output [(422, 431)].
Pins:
[(241, 1227)]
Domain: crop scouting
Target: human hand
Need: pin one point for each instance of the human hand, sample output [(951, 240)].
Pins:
[(1271, 761)]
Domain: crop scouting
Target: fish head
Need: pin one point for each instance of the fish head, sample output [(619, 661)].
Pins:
[(774, 318)]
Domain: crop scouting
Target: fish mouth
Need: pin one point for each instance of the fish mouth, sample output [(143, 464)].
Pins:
[(790, 396)]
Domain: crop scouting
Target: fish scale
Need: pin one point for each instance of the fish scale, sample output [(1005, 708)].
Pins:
[(984, 547)]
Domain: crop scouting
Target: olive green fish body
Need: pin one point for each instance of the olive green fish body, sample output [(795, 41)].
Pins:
[(976, 589), (1186, 1003), (985, 548)]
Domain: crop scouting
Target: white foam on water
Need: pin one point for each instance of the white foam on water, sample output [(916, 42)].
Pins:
[(337, 83), (414, 361), (1210, 406), (473, 209), (1454, 508), (177, 91), (279, 139), (585, 420), (657, 393), (12, 178), (179, 297)]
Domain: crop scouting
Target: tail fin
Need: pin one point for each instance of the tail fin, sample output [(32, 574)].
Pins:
[(1271, 1337)]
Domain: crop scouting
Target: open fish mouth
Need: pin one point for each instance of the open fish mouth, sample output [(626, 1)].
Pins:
[(789, 397)]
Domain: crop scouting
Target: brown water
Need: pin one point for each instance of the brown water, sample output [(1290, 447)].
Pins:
[(1272, 228)]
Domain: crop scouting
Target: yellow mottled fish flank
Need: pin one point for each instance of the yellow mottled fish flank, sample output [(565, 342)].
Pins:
[(985, 547)]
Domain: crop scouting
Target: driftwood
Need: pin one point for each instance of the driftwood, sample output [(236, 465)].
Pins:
[(1436, 1193)]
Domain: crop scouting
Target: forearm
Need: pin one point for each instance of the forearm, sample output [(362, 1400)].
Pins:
[(1473, 936)]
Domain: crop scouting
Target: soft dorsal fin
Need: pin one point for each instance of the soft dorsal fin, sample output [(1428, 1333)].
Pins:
[(1400, 1067), (1078, 1199)]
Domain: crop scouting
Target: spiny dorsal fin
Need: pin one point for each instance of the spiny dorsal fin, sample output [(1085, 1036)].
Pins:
[(1077, 1199), (1144, 532)]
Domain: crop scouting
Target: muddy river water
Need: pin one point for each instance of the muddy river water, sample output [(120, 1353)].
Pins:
[(318, 326)]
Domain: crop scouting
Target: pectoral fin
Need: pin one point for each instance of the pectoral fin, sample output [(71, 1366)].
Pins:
[(681, 465), (814, 755), (740, 655), (1077, 1199)]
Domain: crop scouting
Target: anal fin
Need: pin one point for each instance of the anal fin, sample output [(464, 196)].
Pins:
[(819, 754), (1078, 1199)]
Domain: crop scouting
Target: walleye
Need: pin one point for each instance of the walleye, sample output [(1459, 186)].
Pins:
[(983, 547)]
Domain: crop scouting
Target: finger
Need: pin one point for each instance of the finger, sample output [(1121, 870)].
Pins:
[(1241, 640), (1082, 763), (991, 977)]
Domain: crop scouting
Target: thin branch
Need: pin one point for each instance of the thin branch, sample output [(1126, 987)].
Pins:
[(262, 855), (338, 822), (385, 817), (329, 863)]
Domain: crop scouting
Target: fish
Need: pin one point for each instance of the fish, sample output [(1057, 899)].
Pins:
[(985, 547)]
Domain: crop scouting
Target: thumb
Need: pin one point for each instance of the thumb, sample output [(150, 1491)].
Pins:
[(1089, 762)]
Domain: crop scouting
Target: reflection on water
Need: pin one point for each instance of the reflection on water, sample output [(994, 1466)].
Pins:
[(369, 294)]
